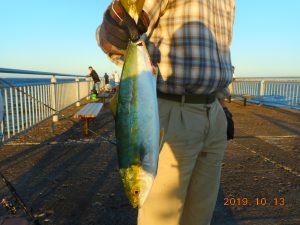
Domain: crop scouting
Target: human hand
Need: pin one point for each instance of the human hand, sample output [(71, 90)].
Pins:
[(118, 28), (230, 123)]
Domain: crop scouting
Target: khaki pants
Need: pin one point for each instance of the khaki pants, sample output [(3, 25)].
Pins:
[(187, 182)]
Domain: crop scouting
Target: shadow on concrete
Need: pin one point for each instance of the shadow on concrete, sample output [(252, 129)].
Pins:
[(222, 214), (280, 123), (68, 177)]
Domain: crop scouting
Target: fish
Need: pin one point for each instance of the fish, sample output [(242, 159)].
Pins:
[(138, 135)]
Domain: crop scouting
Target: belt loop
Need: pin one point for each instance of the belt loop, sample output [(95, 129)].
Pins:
[(182, 99)]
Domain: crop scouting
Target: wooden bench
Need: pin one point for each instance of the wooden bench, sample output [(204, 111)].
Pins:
[(244, 97), (89, 111), (104, 96)]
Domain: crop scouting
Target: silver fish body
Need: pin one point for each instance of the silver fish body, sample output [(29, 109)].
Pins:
[(137, 124)]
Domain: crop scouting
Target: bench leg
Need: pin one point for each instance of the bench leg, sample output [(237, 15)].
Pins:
[(86, 127), (245, 101)]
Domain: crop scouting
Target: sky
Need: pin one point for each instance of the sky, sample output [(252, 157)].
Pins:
[(59, 36)]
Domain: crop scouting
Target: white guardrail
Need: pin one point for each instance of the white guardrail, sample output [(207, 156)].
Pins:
[(27, 105), (281, 92)]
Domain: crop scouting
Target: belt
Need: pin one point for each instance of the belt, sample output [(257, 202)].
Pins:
[(189, 98)]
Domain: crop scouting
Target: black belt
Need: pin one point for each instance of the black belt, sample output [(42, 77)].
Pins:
[(189, 98)]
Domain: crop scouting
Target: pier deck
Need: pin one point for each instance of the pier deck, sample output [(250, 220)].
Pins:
[(74, 180)]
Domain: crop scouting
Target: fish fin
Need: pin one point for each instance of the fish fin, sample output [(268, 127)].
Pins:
[(161, 137), (114, 103)]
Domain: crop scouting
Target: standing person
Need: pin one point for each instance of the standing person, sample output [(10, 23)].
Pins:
[(189, 42), (94, 76), (117, 78), (106, 78)]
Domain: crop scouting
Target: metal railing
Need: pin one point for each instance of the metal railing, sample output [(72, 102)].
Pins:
[(27, 105), (282, 92)]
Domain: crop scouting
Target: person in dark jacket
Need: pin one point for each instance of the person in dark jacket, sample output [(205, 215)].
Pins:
[(106, 77), (94, 76)]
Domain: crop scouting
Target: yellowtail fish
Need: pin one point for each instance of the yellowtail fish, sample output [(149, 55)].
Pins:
[(137, 122)]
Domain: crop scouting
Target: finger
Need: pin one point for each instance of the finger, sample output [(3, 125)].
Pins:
[(114, 28), (119, 14), (106, 45)]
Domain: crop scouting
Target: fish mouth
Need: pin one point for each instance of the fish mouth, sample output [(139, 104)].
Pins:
[(137, 184)]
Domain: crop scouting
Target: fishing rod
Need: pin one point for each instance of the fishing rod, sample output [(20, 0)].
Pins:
[(103, 138), (25, 93), (47, 106), (19, 200)]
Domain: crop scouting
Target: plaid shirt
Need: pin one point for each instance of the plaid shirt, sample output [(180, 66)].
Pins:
[(190, 44), (189, 41)]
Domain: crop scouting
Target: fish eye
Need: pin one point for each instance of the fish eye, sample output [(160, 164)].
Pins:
[(135, 192)]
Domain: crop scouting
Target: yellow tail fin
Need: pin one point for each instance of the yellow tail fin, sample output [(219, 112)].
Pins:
[(133, 7)]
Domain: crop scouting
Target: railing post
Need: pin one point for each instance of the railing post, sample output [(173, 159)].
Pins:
[(261, 91), (53, 98), (6, 113), (1, 114), (12, 110), (78, 91), (89, 88)]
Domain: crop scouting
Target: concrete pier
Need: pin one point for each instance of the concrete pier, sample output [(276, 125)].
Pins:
[(71, 179)]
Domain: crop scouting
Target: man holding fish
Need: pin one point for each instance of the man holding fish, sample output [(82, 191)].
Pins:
[(189, 45)]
